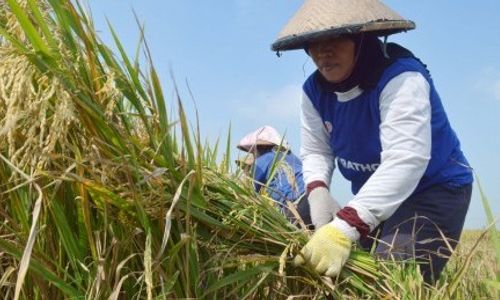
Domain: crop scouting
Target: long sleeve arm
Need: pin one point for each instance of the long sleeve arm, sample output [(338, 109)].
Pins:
[(315, 151), (405, 133)]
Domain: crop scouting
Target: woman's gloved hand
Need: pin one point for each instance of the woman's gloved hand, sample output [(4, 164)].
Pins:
[(323, 206), (327, 251)]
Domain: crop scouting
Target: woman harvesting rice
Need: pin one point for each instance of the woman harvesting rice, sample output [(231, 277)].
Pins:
[(373, 107), (277, 168)]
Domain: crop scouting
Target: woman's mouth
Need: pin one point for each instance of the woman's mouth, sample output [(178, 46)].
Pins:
[(328, 67)]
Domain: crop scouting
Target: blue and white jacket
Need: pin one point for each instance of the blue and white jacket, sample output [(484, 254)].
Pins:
[(287, 182), (390, 141)]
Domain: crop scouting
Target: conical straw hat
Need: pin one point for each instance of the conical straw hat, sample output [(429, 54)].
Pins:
[(263, 136), (319, 19)]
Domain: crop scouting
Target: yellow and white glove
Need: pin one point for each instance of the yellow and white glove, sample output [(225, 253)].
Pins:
[(329, 248)]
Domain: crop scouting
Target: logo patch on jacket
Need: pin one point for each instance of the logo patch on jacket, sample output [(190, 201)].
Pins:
[(328, 126), (359, 167)]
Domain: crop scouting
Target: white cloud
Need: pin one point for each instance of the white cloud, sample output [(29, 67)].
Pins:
[(244, 4), (489, 82), (277, 108), (280, 105)]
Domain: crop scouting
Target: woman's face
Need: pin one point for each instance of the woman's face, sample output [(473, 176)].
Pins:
[(335, 58)]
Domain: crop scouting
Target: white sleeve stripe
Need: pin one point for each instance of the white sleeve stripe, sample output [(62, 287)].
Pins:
[(315, 151)]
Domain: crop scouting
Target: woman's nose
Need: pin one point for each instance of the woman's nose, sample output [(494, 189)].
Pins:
[(324, 49), (325, 52)]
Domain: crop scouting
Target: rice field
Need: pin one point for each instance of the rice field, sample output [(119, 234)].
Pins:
[(108, 191)]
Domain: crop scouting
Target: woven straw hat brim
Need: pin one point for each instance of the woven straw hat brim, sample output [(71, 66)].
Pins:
[(258, 143), (380, 28), (322, 19)]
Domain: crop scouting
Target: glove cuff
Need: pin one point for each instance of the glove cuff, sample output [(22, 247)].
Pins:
[(314, 184), (344, 227), (351, 217)]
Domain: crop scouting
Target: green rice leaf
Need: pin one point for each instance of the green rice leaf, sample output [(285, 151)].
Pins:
[(29, 28), (240, 278)]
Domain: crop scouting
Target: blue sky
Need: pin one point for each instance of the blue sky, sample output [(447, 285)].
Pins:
[(222, 49)]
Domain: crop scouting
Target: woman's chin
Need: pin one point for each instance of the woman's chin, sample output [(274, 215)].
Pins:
[(333, 79)]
